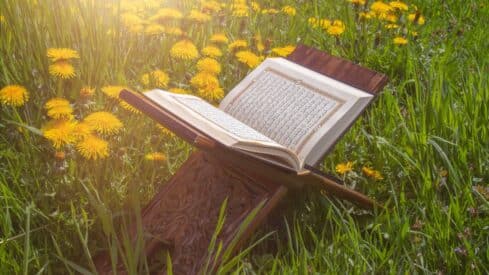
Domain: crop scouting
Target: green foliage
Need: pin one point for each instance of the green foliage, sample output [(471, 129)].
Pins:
[(426, 134)]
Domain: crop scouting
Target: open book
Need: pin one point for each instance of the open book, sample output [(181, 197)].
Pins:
[(281, 112)]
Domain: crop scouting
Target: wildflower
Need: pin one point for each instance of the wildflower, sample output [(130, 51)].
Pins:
[(289, 10), (59, 155), (219, 38), (344, 168), (184, 50), (113, 91), (129, 107), (319, 23), (379, 7), (59, 132), (198, 17), (154, 29), (371, 173), (56, 102), (179, 91), (2, 18), (400, 40), (157, 78), (211, 51), (249, 58), (255, 6), (209, 65), (61, 112), (416, 18), (93, 148), (86, 92), (336, 28), (366, 15), (283, 51), (203, 79), (62, 69), (155, 156), (130, 19), (357, 2), (210, 6), (398, 5), (167, 133), (103, 122), (62, 54), (391, 26), (166, 14), (241, 10), (270, 11), (82, 130), (213, 93), (237, 44), (14, 95)]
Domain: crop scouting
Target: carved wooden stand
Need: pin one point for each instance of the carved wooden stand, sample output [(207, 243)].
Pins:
[(182, 217)]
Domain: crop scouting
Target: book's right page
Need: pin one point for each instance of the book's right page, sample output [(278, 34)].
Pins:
[(296, 107)]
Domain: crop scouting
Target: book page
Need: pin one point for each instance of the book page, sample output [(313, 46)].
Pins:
[(221, 119), (284, 110), (303, 110)]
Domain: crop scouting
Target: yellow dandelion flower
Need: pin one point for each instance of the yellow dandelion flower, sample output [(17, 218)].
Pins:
[(56, 102), (255, 6), (398, 5), (129, 19), (157, 78), (14, 95), (289, 10), (400, 40), (417, 19), (103, 122), (270, 11), (61, 112), (366, 15), (371, 173), (210, 6), (237, 44), (390, 17), (167, 133), (213, 93), (283, 51), (129, 107), (82, 130), (59, 132), (62, 54), (357, 2), (87, 91), (113, 91), (154, 29), (155, 156), (379, 7), (198, 17), (319, 23), (344, 168), (249, 58), (93, 148), (59, 155), (184, 50), (211, 51), (166, 14), (209, 65), (219, 38), (62, 69), (203, 79), (179, 91), (336, 28), (240, 10), (175, 31), (391, 26)]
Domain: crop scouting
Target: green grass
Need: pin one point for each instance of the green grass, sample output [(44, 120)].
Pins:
[(427, 134)]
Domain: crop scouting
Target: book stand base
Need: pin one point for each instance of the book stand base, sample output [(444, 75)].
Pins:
[(182, 217)]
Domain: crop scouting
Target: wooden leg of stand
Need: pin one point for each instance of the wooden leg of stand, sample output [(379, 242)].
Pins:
[(183, 215)]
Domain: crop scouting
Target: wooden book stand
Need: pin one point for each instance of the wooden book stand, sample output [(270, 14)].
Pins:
[(182, 217)]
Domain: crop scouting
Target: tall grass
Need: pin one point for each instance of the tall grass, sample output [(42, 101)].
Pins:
[(427, 134)]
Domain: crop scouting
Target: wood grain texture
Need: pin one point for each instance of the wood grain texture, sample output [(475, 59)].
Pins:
[(340, 69)]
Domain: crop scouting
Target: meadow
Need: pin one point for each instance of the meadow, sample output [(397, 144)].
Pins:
[(76, 163)]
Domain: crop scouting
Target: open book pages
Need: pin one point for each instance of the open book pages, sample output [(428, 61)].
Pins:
[(298, 108), (223, 127), (281, 111)]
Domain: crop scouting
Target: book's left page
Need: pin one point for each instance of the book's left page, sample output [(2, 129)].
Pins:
[(221, 126)]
